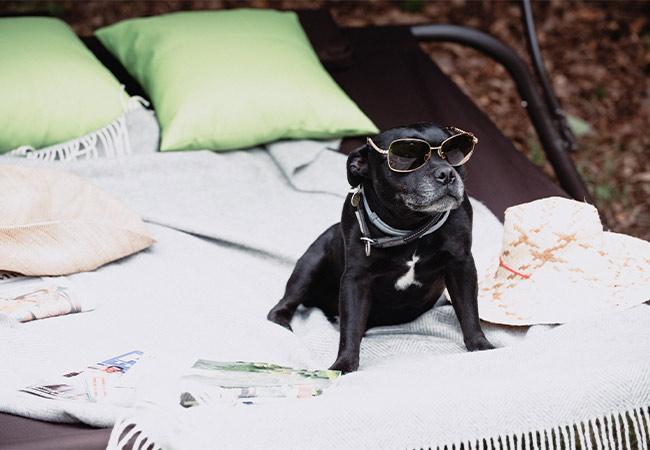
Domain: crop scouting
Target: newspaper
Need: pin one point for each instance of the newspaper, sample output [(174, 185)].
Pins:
[(102, 382), (250, 382), (30, 298)]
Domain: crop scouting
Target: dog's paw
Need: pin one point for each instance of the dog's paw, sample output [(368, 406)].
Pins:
[(280, 316), (344, 365), (478, 343)]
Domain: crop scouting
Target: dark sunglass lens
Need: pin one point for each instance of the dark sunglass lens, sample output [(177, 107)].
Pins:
[(406, 156), (457, 148)]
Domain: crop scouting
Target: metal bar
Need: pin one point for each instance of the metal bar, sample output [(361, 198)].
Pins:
[(551, 140), (553, 104)]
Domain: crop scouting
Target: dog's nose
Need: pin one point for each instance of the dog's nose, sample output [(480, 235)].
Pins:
[(444, 175)]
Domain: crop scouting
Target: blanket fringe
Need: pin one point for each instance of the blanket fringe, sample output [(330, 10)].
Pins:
[(629, 430), (127, 435), (114, 139)]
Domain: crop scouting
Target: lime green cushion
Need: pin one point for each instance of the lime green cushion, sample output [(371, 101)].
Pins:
[(53, 87), (232, 79)]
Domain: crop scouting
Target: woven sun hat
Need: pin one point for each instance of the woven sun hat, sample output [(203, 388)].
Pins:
[(56, 223), (557, 264)]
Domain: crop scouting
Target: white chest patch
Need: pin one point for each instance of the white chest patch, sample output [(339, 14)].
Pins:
[(408, 279)]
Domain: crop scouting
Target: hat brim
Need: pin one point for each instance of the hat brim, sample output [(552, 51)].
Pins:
[(551, 298)]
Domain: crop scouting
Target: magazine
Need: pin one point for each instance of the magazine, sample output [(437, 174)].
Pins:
[(100, 382), (30, 298), (250, 382)]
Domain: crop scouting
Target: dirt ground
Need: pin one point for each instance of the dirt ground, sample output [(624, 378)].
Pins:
[(596, 52)]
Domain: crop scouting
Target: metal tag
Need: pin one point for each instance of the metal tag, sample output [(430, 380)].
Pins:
[(356, 197)]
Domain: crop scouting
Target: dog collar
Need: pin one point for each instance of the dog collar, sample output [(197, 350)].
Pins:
[(398, 237)]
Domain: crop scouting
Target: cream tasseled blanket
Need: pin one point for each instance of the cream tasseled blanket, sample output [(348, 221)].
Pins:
[(229, 227)]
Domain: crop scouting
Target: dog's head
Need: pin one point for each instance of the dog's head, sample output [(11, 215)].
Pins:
[(435, 187)]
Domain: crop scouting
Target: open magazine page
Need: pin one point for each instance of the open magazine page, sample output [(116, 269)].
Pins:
[(105, 381), (30, 298), (250, 382)]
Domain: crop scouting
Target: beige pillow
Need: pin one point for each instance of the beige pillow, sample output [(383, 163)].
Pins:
[(56, 223)]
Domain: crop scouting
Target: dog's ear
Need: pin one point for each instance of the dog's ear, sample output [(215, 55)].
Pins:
[(358, 165)]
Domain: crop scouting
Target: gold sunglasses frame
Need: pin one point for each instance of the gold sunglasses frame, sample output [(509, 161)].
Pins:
[(439, 148)]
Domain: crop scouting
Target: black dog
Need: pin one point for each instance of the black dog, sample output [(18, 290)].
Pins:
[(404, 235)]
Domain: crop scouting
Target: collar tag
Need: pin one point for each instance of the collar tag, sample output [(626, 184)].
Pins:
[(356, 196)]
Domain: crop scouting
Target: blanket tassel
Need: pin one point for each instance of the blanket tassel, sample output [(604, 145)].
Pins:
[(114, 140), (619, 431), (127, 435), (629, 430)]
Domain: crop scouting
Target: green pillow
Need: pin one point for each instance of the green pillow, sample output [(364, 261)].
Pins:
[(233, 79), (53, 87)]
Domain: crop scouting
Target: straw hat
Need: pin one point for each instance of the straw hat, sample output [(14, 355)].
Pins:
[(56, 223), (557, 264)]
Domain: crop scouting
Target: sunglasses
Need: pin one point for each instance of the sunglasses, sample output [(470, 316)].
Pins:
[(408, 155)]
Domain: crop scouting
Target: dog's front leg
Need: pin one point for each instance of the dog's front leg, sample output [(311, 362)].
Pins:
[(461, 281), (354, 307)]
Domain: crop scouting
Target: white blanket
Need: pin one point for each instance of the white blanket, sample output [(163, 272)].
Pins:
[(229, 228)]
